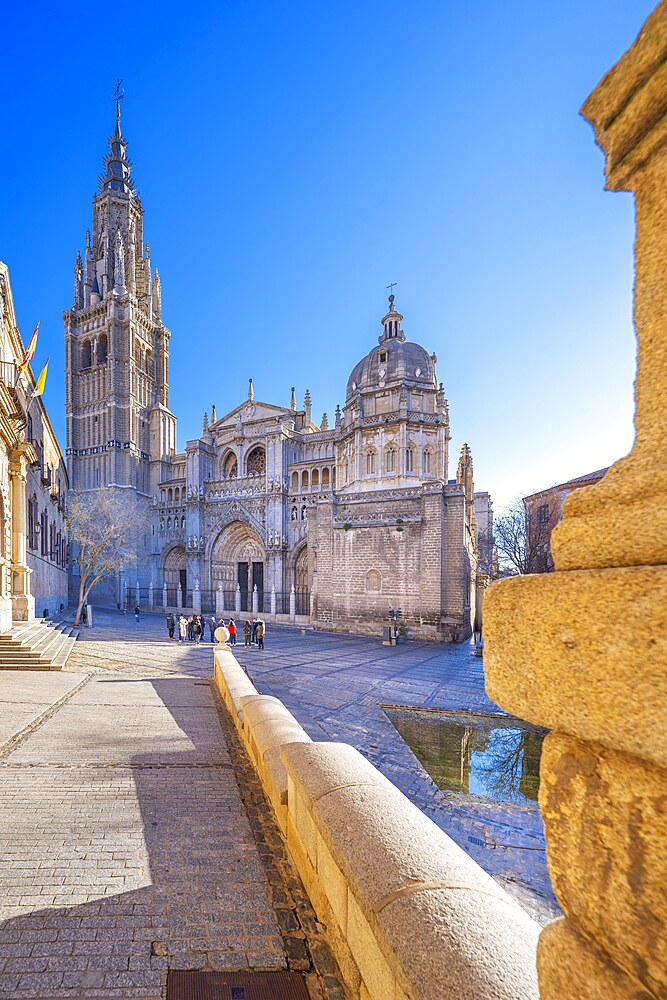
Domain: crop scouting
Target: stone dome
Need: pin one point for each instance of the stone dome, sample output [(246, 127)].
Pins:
[(402, 361)]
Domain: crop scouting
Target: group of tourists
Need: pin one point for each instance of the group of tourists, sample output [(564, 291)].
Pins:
[(193, 629)]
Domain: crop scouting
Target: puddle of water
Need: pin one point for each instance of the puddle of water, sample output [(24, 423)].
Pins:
[(497, 758)]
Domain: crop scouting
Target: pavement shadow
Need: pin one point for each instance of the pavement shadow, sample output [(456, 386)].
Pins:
[(160, 847)]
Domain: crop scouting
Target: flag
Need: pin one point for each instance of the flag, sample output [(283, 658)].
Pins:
[(30, 352), (41, 381)]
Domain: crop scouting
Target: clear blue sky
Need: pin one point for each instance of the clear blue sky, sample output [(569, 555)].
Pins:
[(294, 158)]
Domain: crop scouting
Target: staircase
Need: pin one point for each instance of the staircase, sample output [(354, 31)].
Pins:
[(36, 645)]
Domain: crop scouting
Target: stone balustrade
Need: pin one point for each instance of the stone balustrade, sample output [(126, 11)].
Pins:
[(408, 914)]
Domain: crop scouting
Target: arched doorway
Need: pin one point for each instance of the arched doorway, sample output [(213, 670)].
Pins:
[(175, 573), (301, 582), (237, 558)]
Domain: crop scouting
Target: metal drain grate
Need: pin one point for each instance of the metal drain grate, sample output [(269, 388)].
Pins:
[(235, 986)]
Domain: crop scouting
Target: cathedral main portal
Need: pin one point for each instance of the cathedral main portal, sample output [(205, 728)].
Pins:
[(237, 559)]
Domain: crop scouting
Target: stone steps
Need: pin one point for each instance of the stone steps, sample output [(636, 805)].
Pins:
[(37, 645)]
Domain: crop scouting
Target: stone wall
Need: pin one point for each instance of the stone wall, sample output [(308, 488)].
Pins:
[(582, 651), (408, 914)]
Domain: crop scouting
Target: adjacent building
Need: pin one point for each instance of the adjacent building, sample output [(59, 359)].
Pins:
[(545, 509), (267, 511), (33, 487)]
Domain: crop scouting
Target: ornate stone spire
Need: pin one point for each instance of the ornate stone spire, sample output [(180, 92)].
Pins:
[(464, 472), (78, 282), (292, 403), (338, 417), (157, 295), (214, 416), (307, 408), (117, 166), (205, 422), (251, 391), (324, 426)]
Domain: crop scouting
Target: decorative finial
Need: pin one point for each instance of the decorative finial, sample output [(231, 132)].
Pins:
[(118, 96), (338, 418), (292, 404), (205, 422), (324, 426), (392, 297), (213, 414), (251, 391)]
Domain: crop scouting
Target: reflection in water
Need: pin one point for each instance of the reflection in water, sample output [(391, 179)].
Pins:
[(494, 757)]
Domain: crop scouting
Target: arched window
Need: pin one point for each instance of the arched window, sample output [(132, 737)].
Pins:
[(102, 349), (304, 479), (149, 363), (230, 466), (325, 477), (333, 477), (295, 484), (170, 495), (390, 460), (137, 354), (177, 494), (409, 460), (162, 496), (315, 479), (86, 355), (370, 463), (426, 462), (373, 581), (256, 461)]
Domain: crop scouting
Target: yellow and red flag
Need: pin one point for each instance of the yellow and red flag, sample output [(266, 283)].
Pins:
[(41, 381), (30, 352)]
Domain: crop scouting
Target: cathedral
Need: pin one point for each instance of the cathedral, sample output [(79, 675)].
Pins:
[(337, 526)]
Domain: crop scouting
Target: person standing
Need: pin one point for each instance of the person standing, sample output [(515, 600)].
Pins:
[(247, 629), (259, 633), (137, 612), (191, 631), (212, 626), (182, 628), (171, 625), (232, 632), (197, 629), (253, 633)]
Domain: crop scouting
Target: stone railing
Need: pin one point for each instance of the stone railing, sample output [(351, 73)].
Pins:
[(409, 915)]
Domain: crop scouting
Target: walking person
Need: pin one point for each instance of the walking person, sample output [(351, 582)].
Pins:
[(212, 626), (171, 625), (253, 628), (232, 632), (247, 629), (182, 628), (259, 632), (137, 612)]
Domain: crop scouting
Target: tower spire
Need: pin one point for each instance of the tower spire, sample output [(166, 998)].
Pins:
[(117, 166)]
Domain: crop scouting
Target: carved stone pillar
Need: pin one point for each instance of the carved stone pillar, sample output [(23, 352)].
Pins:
[(23, 603), (582, 651)]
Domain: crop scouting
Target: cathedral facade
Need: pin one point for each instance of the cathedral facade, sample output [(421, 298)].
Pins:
[(267, 512)]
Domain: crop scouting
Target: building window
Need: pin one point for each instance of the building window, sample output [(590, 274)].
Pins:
[(102, 349), (390, 460), (44, 522), (86, 355), (373, 581), (370, 463), (383, 357), (426, 461), (256, 461), (543, 513), (408, 460)]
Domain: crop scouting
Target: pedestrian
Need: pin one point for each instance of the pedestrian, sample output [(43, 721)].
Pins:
[(232, 632), (247, 629), (191, 629), (212, 626), (137, 612), (253, 627), (259, 632), (182, 628), (197, 629), (171, 625)]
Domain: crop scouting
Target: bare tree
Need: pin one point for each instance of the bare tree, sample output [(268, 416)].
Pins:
[(522, 541), (104, 527)]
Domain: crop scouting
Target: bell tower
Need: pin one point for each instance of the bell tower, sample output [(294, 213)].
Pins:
[(116, 344)]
